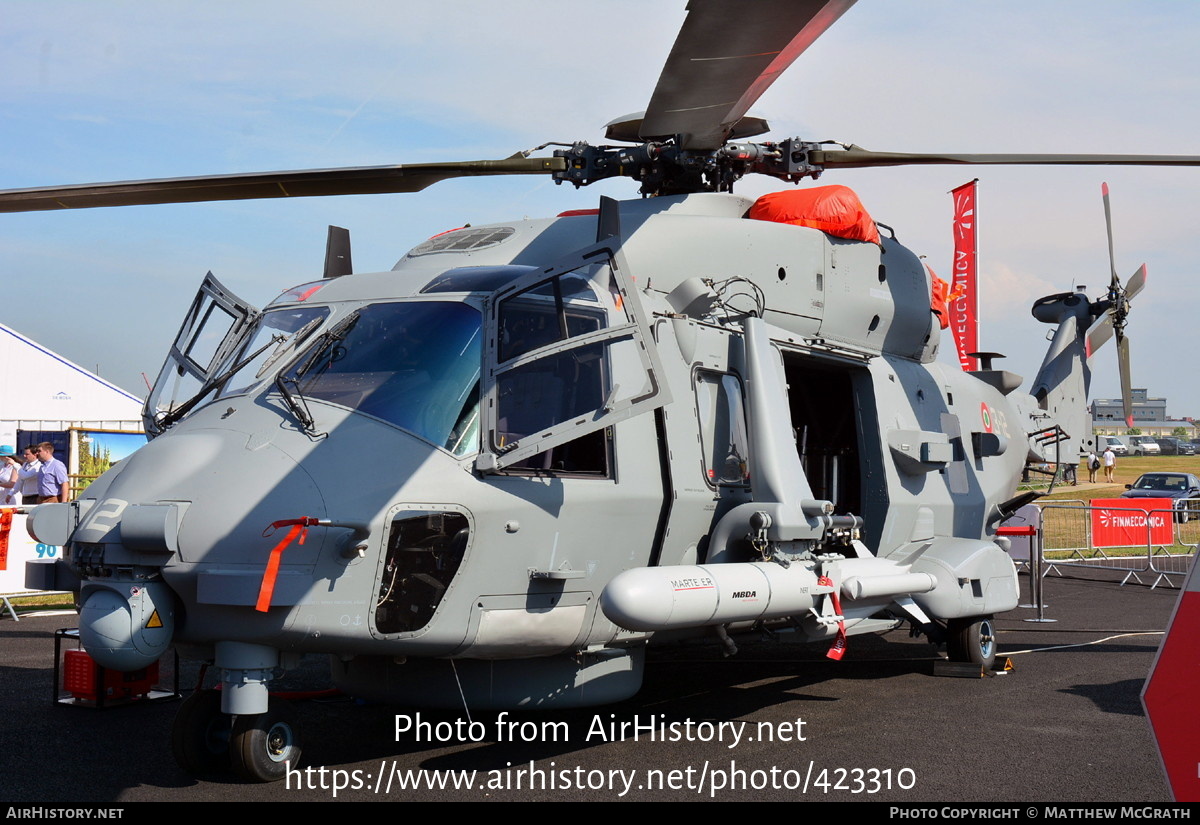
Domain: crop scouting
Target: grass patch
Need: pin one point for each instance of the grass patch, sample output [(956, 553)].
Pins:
[(1127, 471), (1109, 552), (48, 601)]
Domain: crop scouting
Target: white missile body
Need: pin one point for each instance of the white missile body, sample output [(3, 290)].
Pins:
[(670, 598)]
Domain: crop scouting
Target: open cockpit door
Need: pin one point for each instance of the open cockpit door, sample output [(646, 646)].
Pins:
[(568, 352), (215, 324)]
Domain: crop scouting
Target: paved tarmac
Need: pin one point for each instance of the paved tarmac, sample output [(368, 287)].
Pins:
[(1065, 725)]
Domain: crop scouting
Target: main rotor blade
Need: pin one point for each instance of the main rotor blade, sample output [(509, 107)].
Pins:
[(1112, 258), (363, 180), (727, 54), (1126, 380), (857, 157)]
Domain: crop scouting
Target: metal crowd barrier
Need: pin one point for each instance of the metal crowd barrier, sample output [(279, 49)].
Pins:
[(1067, 526)]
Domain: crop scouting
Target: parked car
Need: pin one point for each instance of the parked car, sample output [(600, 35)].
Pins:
[(1170, 445), (1143, 445), (1111, 442), (1183, 488)]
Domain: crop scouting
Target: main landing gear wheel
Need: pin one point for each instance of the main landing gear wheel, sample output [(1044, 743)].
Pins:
[(265, 745), (972, 640), (200, 734)]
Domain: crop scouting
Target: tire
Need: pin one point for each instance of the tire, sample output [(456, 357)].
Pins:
[(200, 734), (972, 640), (265, 745)]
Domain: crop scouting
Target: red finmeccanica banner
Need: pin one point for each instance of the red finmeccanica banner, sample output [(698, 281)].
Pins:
[(1125, 522), (964, 309)]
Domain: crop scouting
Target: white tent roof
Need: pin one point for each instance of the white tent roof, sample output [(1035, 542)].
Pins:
[(39, 385)]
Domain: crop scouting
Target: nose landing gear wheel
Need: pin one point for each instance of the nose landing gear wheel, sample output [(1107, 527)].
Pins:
[(972, 640), (200, 734), (265, 745)]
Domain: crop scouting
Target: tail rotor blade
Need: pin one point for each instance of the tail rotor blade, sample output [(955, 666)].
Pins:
[(1098, 334), (1112, 258), (1126, 381), (1135, 283), (1112, 322)]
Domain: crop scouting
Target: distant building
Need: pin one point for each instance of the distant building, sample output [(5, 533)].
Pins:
[(45, 397), (1149, 416)]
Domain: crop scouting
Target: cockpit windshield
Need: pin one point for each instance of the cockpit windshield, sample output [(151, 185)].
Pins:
[(413, 364)]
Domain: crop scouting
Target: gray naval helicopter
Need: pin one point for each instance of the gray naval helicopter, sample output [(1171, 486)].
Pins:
[(493, 474)]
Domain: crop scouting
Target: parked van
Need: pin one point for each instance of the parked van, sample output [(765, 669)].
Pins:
[(1144, 445), (1111, 442)]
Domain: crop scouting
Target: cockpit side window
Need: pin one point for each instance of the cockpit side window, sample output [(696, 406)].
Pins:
[(548, 313), (568, 354), (215, 325), (538, 394)]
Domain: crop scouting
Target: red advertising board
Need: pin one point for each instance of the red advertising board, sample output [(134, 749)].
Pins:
[(1121, 522)]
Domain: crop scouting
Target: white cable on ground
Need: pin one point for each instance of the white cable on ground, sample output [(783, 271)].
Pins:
[(1082, 644)]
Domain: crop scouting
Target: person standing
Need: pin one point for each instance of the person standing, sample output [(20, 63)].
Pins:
[(29, 476), (1093, 464), (9, 481), (1110, 464), (53, 484)]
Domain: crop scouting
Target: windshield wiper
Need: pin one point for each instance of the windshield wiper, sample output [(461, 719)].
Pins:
[(297, 337), (294, 397), (186, 407), (295, 402), (337, 332)]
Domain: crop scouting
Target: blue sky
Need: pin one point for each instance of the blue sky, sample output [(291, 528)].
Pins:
[(128, 90)]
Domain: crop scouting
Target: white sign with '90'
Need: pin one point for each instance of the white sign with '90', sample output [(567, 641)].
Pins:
[(17, 548)]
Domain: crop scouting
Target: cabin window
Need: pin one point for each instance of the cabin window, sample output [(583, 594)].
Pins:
[(723, 439)]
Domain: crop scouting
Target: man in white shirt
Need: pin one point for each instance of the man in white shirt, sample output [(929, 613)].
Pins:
[(28, 476)]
